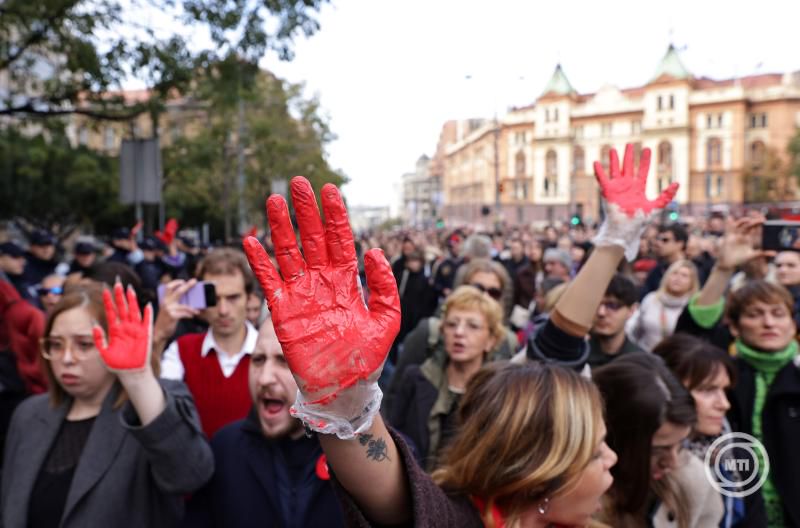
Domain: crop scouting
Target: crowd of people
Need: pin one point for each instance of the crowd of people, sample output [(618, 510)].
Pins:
[(562, 376)]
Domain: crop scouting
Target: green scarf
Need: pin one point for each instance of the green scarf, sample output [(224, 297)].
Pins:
[(767, 365)]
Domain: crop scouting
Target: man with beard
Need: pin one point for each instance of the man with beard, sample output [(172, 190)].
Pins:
[(267, 471)]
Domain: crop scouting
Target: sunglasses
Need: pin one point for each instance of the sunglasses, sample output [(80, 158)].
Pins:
[(494, 293), (57, 290)]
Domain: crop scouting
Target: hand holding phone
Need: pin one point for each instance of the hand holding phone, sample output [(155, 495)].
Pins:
[(176, 303)]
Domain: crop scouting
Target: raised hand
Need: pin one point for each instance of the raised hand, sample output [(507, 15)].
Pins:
[(626, 205), (736, 246), (129, 342), (334, 344), (626, 191)]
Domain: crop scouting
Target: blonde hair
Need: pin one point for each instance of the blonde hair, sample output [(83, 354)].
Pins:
[(526, 433), (471, 298), (675, 266)]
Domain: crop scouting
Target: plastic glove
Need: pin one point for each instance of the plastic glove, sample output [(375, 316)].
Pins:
[(130, 336), (170, 230), (626, 206), (334, 344)]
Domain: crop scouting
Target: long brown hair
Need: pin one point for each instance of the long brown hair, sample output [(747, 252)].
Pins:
[(641, 394), (90, 297), (526, 434)]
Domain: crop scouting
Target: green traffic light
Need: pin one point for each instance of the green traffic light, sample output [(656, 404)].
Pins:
[(673, 215), (575, 220)]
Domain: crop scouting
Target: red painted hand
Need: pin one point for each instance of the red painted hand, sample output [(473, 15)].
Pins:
[(330, 338), (627, 191), (129, 335)]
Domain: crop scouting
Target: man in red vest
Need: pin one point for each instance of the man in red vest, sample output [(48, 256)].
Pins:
[(213, 364)]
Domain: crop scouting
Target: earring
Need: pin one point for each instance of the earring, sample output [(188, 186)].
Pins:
[(543, 506)]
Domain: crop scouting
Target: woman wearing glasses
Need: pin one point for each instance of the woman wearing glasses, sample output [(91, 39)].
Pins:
[(427, 338), (424, 408), (109, 445)]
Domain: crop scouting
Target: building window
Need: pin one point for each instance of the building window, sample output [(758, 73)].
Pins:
[(757, 154), (720, 119), (637, 153), (519, 164), (660, 103), (521, 190), (551, 174), (664, 165), (578, 161), (605, 152), (636, 127), (709, 123), (671, 102), (605, 130), (720, 185), (764, 120), (546, 115), (555, 114), (713, 152)]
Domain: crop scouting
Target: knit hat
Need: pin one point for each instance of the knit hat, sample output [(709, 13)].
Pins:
[(558, 255)]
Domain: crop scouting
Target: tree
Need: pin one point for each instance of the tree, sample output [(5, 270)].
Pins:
[(263, 123), (47, 183), (65, 56)]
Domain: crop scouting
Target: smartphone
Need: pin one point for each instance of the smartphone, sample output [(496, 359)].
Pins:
[(780, 234), (201, 295)]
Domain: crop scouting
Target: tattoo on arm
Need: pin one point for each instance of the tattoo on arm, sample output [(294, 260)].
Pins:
[(376, 449)]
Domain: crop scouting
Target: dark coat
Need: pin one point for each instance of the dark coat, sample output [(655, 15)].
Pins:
[(411, 409), (250, 480), (127, 475), (780, 424), (431, 507), (780, 418)]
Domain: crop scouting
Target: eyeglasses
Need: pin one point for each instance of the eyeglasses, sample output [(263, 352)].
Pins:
[(57, 290), (611, 306), (80, 346), (494, 293)]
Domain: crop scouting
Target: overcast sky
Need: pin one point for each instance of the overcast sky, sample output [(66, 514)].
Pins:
[(389, 74)]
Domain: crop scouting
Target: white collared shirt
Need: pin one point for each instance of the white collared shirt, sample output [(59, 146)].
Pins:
[(172, 367)]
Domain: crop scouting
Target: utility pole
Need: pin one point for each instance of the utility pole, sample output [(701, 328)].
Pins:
[(496, 172)]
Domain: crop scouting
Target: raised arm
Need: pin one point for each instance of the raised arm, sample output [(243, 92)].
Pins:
[(334, 344), (736, 248), (627, 212)]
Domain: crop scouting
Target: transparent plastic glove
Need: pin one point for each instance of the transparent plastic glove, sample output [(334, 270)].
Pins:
[(334, 344), (627, 209), (130, 336)]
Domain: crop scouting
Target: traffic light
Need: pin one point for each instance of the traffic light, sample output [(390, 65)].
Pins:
[(575, 220), (673, 216)]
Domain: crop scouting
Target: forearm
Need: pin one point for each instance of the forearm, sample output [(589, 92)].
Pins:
[(579, 303), (370, 469), (715, 286), (145, 393)]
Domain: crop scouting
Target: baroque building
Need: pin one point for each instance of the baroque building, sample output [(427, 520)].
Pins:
[(724, 141)]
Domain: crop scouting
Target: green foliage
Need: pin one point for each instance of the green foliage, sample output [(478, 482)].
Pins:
[(47, 182), (280, 135), (794, 155), (64, 56)]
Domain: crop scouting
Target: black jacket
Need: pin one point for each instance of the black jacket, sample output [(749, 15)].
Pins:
[(253, 487), (780, 424), (780, 418)]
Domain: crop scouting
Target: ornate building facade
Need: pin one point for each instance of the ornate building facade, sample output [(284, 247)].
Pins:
[(724, 141)]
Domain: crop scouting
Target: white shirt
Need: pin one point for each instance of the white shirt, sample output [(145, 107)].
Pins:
[(172, 367)]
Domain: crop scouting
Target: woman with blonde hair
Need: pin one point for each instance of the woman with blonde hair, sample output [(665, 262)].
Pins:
[(110, 445), (424, 408), (659, 311)]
